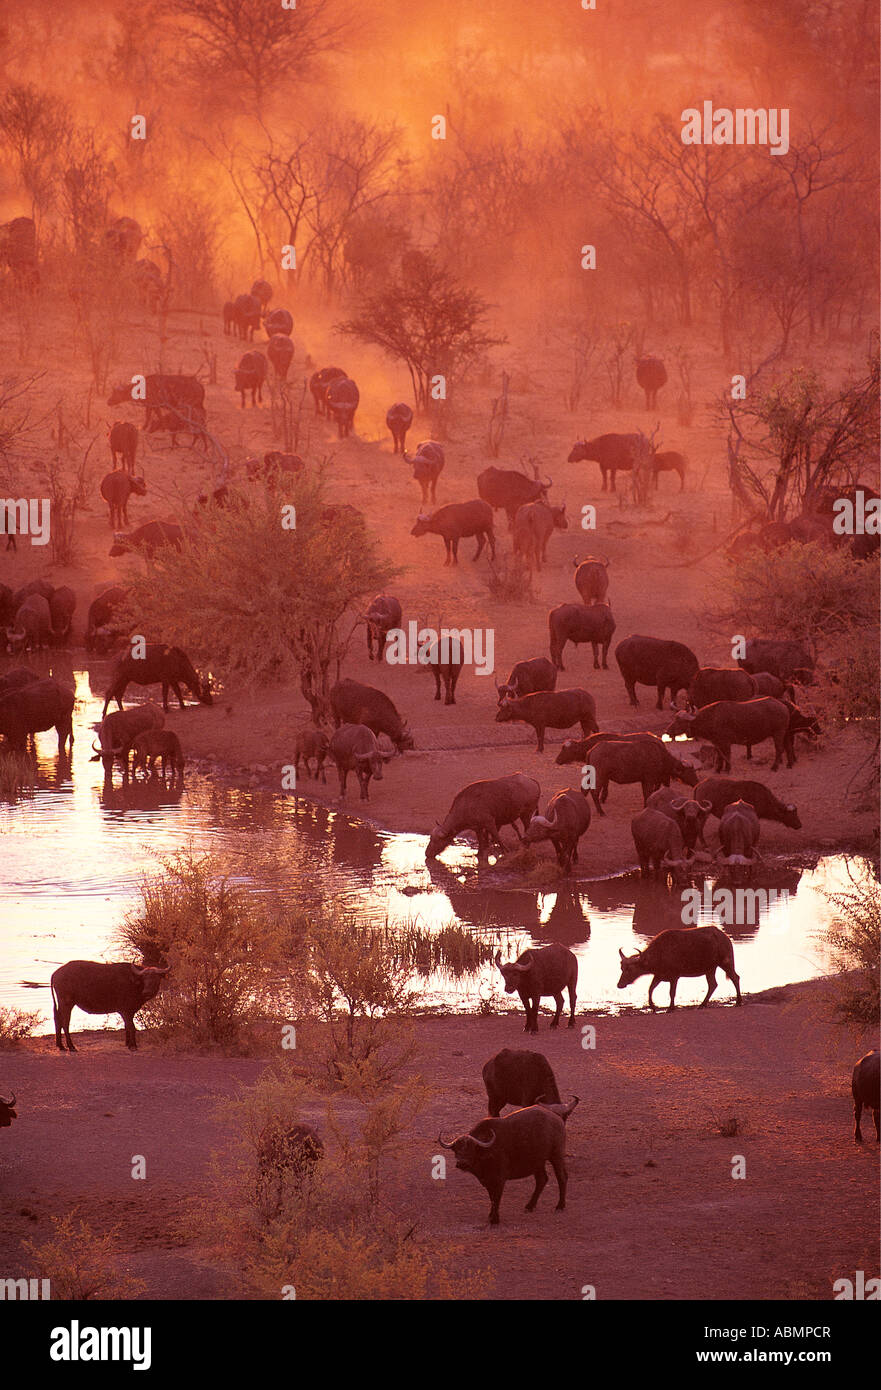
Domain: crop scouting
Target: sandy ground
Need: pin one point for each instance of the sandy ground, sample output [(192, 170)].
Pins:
[(653, 1211), (660, 585)]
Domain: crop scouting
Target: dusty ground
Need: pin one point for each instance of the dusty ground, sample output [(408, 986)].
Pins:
[(660, 585), (653, 1211)]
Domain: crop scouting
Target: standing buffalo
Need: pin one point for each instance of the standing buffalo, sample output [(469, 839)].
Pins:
[(566, 819), (538, 972), (62, 606), (262, 290), (527, 677), (658, 841), (353, 703), (651, 375), (160, 663), (116, 489), (162, 392), (354, 748), (446, 659), (865, 1088), (533, 526), (484, 807), (689, 813), (124, 442), (713, 683), (154, 746), (654, 661), (519, 1145), (7, 1111), (117, 733), (280, 351), (102, 624), (580, 622), (739, 834), (634, 760), (318, 384), (685, 951), (517, 1077), (455, 522), (102, 989), (669, 462), (383, 614), (190, 419), (311, 743), (147, 538), (250, 375), (720, 792), (229, 317), (746, 722), (32, 625), (504, 489), (787, 660), (43, 704), (613, 452), (428, 463), (247, 310), (399, 418), (342, 402), (551, 709), (286, 1153), (592, 579), (279, 323)]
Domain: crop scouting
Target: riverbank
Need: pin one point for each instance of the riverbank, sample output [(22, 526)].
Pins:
[(654, 1209)]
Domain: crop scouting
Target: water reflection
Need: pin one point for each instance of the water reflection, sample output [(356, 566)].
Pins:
[(74, 851)]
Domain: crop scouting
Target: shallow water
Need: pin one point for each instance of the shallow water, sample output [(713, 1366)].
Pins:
[(71, 859)]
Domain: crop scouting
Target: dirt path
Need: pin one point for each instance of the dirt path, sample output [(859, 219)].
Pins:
[(653, 1210)]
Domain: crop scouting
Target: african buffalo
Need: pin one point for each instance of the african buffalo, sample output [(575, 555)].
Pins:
[(32, 625), (577, 623), (484, 807), (286, 1154), (528, 677), (575, 750), (383, 614), (519, 1145), (787, 660), (722, 791), (566, 819), (280, 322), (354, 748), (427, 463), (538, 972), (16, 678), (353, 703), (7, 1111), (445, 661), (318, 384), (624, 761), (551, 709), (689, 813), (168, 666), (118, 731), (713, 683), (162, 392), (739, 831), (190, 419), (155, 745), (613, 452), (116, 489), (533, 525), (247, 310), (311, 743), (655, 661), (685, 951), (103, 613), (124, 442), (592, 579), (149, 537), (669, 462), (280, 351), (651, 374), (455, 522), (504, 489), (746, 722), (43, 704), (96, 988), (250, 375), (517, 1077), (399, 418), (658, 841), (342, 397), (866, 1091), (62, 606)]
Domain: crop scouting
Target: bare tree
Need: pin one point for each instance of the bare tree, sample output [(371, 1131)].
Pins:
[(34, 128)]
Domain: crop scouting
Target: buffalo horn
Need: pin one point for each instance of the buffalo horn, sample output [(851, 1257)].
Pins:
[(10, 1103), (443, 1143), (483, 1143), (708, 805)]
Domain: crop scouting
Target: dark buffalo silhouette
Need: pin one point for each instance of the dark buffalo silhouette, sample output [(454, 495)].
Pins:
[(96, 988)]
